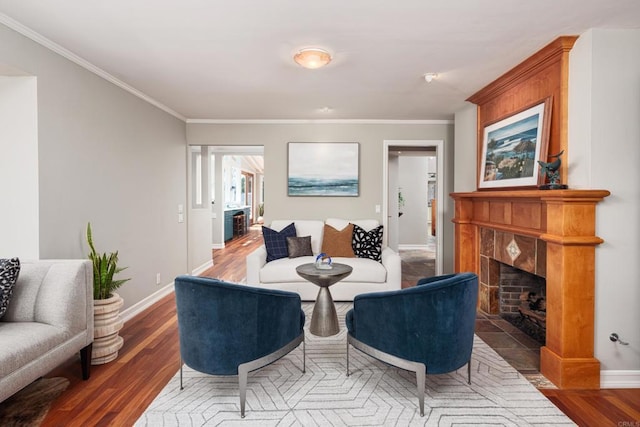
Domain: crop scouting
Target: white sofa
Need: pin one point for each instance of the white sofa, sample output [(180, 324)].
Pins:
[(48, 320), (368, 275)]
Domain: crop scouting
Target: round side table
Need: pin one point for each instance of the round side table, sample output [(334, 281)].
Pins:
[(324, 320)]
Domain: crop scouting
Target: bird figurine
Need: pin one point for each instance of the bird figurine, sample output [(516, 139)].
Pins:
[(550, 169)]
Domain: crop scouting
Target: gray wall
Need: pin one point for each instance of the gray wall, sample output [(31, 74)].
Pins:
[(466, 136), (107, 157), (19, 224), (274, 138), (604, 135)]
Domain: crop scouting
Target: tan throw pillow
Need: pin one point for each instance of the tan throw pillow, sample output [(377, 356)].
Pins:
[(338, 243)]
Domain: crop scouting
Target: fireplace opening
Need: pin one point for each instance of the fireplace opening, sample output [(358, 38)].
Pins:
[(522, 297)]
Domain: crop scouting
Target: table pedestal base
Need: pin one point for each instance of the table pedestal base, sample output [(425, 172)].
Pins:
[(324, 320)]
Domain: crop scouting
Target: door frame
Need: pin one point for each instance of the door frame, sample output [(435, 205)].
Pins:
[(440, 154)]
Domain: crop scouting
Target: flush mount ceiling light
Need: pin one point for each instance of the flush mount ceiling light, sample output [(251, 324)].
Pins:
[(430, 76), (312, 58)]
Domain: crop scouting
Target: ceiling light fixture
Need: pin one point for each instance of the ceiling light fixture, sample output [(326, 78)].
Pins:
[(430, 76), (312, 58)]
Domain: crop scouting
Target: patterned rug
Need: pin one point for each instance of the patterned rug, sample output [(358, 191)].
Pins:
[(375, 394), (29, 406)]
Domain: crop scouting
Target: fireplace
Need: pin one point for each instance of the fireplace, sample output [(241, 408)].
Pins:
[(550, 234), (523, 301)]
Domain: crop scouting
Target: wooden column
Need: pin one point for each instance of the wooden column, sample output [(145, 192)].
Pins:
[(567, 359), (565, 220)]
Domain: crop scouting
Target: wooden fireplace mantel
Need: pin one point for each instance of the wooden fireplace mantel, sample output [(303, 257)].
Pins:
[(565, 220)]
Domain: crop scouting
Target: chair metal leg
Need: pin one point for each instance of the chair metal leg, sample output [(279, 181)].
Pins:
[(304, 355), (181, 387), (245, 368), (348, 373), (420, 377), (419, 368), (242, 382), (469, 372)]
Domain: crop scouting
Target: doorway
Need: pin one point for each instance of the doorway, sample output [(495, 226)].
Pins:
[(221, 181), (413, 191)]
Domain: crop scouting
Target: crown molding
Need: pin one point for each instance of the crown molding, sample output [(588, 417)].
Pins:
[(318, 121), (51, 45)]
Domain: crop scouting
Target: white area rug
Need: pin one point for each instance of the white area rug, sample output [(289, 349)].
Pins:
[(375, 394)]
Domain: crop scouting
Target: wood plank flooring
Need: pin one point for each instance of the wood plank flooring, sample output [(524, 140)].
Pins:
[(118, 392)]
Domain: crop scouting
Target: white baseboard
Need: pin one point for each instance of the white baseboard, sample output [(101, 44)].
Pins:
[(203, 267), (412, 247), (218, 246), (141, 306), (619, 379)]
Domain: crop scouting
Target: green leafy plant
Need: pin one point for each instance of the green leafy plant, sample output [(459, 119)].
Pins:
[(105, 267), (261, 209), (400, 199)]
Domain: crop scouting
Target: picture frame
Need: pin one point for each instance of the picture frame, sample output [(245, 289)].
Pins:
[(323, 169), (512, 146)]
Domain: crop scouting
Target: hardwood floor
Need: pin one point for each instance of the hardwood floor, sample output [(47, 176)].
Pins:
[(118, 392)]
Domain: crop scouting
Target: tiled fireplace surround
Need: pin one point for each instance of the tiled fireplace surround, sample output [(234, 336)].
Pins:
[(522, 252), (548, 233)]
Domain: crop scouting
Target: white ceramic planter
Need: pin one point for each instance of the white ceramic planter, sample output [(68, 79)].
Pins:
[(107, 324)]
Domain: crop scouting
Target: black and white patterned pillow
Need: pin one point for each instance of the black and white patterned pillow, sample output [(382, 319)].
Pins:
[(367, 244), (9, 270)]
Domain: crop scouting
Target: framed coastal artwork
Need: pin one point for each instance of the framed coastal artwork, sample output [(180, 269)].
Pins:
[(323, 169), (512, 146)]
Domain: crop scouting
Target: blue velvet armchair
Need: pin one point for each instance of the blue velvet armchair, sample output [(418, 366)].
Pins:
[(231, 329), (428, 328)]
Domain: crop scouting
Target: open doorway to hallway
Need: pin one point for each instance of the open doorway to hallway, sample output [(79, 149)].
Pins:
[(226, 189), (414, 192)]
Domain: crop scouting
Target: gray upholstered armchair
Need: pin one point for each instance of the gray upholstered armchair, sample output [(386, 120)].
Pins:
[(231, 329), (425, 329)]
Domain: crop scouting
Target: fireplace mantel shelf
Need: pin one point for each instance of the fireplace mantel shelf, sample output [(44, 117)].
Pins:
[(575, 195), (564, 221)]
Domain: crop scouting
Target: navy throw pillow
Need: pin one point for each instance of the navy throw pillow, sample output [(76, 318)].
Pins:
[(367, 244), (276, 241)]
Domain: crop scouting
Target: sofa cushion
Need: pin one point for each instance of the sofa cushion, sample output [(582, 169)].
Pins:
[(299, 246), (339, 224), (337, 243), (365, 270), (276, 241), (284, 270), (23, 342), (368, 244), (304, 227), (9, 271)]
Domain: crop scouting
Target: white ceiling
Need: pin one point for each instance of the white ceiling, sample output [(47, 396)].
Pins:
[(231, 60)]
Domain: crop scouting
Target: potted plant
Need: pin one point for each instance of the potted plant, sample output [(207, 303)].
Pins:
[(106, 304), (260, 218), (400, 202)]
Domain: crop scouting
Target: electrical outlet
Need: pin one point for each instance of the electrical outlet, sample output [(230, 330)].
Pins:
[(377, 208), (158, 281)]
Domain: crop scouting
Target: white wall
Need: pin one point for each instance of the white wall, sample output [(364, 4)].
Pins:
[(393, 222), (19, 214), (466, 149), (274, 138), (604, 135), (412, 178), (107, 157), (199, 221)]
